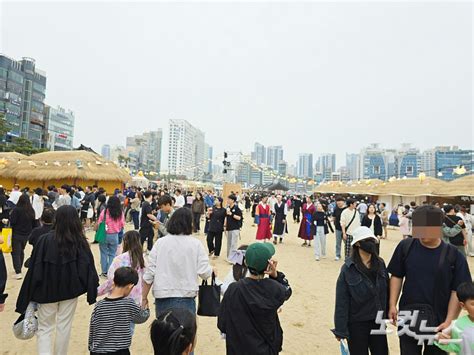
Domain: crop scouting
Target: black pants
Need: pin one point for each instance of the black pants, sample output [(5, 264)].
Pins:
[(217, 236), (296, 216), (361, 341), (409, 346), (148, 236), (18, 251), (196, 221), (135, 218)]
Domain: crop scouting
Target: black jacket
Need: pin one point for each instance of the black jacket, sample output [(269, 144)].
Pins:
[(249, 315), (21, 223), (367, 222), (357, 298), (53, 277), (321, 219), (216, 221)]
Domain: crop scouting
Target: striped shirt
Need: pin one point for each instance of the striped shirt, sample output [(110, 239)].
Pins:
[(110, 329)]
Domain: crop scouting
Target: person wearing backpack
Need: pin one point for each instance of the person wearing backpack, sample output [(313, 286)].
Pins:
[(430, 271)]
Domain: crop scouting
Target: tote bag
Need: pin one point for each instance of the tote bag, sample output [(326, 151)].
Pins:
[(209, 298), (101, 233), (6, 246)]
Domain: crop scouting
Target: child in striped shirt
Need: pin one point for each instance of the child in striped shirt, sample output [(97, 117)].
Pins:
[(110, 331)]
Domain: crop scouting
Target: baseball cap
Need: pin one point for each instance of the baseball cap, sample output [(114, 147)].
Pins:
[(257, 256), (362, 233)]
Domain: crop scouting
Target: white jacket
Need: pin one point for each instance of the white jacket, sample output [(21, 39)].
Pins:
[(174, 264)]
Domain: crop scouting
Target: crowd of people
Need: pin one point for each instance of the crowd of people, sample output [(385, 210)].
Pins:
[(428, 271)]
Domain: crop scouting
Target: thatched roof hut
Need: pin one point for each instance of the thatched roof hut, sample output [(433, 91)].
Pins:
[(411, 187), (64, 167), (463, 186), (361, 187)]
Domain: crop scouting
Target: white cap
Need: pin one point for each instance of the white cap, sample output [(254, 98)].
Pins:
[(362, 233)]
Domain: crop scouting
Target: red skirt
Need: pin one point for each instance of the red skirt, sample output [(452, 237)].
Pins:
[(264, 230)]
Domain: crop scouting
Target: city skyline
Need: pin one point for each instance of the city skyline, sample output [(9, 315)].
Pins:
[(281, 81)]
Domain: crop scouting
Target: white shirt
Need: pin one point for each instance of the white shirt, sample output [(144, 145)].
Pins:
[(346, 217), (14, 196), (467, 219), (362, 208), (174, 264), (37, 203), (179, 201)]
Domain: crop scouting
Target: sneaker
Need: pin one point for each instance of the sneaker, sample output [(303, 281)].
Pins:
[(103, 275), (337, 258), (18, 276), (317, 258), (211, 253), (275, 242)]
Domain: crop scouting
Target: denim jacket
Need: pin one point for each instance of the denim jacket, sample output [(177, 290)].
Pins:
[(357, 298)]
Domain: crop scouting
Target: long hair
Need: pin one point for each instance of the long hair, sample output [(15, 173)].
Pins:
[(114, 207), (372, 205), (132, 245), (25, 204), (173, 331), (69, 232)]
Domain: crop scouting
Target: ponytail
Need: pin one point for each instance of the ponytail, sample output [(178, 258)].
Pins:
[(173, 331)]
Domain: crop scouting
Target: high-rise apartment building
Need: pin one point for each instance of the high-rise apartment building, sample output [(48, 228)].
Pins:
[(58, 128), (259, 154), (305, 165), (105, 151), (186, 149), (144, 151), (22, 94), (274, 156)]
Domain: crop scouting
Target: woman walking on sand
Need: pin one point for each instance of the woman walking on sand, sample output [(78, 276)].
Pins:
[(306, 230), (263, 211)]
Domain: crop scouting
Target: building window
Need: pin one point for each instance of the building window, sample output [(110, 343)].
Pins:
[(409, 170), (377, 169)]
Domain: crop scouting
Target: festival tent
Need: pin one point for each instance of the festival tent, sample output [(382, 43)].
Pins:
[(276, 187), (77, 167), (140, 181)]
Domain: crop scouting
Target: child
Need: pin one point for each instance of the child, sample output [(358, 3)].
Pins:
[(404, 224), (174, 332), (462, 329), (110, 331)]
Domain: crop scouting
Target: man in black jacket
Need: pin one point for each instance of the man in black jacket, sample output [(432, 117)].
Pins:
[(249, 310)]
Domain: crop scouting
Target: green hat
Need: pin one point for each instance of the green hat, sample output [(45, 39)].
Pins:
[(257, 256)]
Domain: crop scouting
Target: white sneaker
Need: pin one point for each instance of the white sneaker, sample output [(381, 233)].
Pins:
[(18, 276), (317, 258), (337, 258), (471, 254)]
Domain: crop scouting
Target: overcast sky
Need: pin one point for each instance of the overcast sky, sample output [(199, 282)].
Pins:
[(313, 77)]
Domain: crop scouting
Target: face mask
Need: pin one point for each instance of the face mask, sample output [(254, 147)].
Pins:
[(368, 245)]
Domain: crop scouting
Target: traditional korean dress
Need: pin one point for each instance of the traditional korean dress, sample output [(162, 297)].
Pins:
[(306, 230), (279, 227), (264, 226)]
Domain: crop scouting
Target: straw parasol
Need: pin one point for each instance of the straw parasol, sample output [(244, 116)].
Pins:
[(463, 186), (9, 164), (428, 186), (80, 165)]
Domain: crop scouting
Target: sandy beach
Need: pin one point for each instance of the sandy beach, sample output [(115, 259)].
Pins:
[(306, 318)]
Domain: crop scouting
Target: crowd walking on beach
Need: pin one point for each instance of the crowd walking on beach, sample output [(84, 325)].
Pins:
[(148, 241)]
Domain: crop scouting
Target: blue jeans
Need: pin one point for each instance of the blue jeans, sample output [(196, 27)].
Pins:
[(107, 251), (338, 243), (164, 304)]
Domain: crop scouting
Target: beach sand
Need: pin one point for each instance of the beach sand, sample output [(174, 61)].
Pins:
[(306, 318)]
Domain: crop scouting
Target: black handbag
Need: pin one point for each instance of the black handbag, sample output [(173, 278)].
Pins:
[(209, 298)]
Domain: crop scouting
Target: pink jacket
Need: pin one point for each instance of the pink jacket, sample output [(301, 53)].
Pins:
[(112, 226)]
